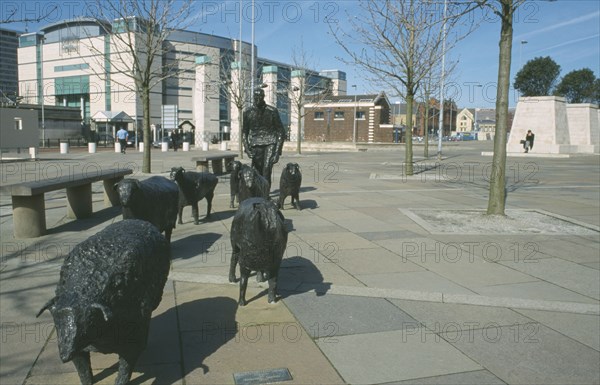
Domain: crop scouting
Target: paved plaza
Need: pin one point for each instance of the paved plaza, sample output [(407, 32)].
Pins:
[(387, 278)]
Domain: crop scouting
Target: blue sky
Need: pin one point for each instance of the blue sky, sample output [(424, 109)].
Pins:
[(566, 30)]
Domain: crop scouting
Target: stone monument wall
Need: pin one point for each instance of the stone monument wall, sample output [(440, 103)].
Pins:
[(559, 128), (583, 126)]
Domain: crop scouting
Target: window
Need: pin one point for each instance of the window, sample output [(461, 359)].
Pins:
[(18, 124), (339, 115), (71, 67), (319, 115), (360, 115)]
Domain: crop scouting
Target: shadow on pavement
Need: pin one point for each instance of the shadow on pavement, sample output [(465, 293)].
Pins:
[(220, 215), (299, 275), (193, 245), (203, 325), (83, 224), (308, 204)]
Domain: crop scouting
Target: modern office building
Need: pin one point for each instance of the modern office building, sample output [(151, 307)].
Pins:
[(9, 76), (79, 63)]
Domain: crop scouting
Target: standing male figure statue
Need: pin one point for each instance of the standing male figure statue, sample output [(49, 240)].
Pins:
[(262, 135)]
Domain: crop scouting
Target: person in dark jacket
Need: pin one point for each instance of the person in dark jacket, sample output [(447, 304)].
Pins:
[(528, 142)]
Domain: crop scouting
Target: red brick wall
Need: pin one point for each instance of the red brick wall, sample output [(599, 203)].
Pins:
[(340, 130)]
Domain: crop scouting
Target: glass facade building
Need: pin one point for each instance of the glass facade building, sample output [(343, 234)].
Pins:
[(79, 63)]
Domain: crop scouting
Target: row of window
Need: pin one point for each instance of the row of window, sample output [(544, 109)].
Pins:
[(71, 67), (320, 115)]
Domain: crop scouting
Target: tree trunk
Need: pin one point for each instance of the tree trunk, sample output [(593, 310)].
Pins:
[(299, 137), (408, 159), (497, 197), (299, 134), (146, 168), (426, 134)]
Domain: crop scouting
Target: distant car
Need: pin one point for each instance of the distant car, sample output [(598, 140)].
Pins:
[(131, 141), (164, 139), (105, 139)]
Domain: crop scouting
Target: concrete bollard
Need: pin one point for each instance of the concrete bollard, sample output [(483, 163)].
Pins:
[(64, 147), (223, 146), (92, 147), (164, 146), (141, 146), (117, 147), (33, 151), (186, 146), (204, 146)]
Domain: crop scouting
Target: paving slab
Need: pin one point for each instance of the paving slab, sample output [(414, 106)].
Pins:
[(342, 240), (214, 360), (382, 213), (374, 261), (531, 354), (470, 271), (580, 327), (495, 248), (425, 281), (422, 246), (150, 374), (336, 315), (442, 316), (535, 290), (257, 311), (569, 275), (312, 223), (572, 249), (593, 265), (315, 270), (387, 234), (352, 220), (377, 358), (476, 377)]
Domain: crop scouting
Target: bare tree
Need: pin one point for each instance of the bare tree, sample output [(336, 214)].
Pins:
[(429, 87), (237, 90), (139, 30), (397, 43), (505, 9), (304, 90)]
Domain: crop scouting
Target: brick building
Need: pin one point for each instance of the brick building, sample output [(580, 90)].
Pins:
[(335, 118)]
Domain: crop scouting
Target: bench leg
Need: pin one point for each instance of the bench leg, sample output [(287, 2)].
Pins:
[(201, 166), (217, 166), (79, 201), (29, 216), (111, 197), (228, 162)]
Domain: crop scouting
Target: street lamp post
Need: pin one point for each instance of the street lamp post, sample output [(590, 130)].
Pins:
[(476, 124), (41, 94), (520, 52), (354, 127), (520, 57)]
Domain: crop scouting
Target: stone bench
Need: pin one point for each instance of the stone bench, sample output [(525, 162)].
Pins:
[(218, 159), (29, 209)]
